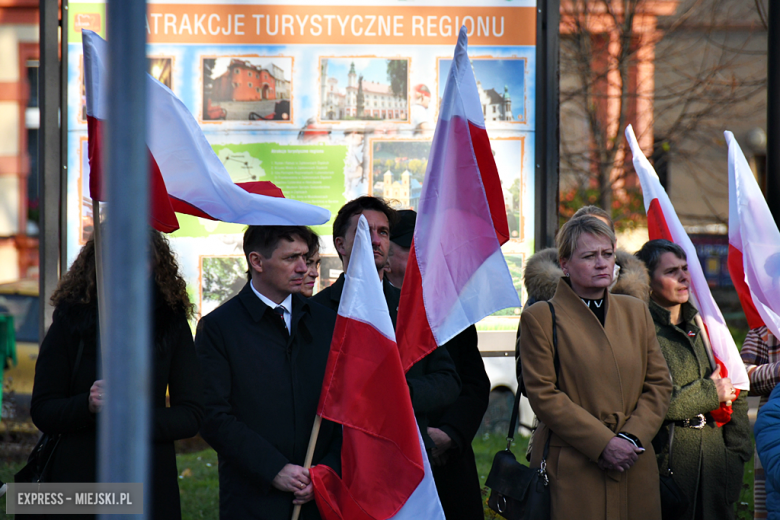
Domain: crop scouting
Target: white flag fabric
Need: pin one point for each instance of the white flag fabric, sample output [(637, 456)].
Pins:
[(664, 223), (191, 170), (754, 235), (385, 471)]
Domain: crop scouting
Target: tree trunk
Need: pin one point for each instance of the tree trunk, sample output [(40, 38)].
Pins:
[(605, 189)]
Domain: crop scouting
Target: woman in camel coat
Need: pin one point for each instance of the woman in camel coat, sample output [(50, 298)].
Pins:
[(612, 390)]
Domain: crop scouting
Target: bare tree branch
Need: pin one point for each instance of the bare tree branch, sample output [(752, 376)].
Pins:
[(711, 73)]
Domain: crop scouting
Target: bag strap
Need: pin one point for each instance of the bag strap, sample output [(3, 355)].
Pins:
[(510, 436), (515, 407), (513, 420)]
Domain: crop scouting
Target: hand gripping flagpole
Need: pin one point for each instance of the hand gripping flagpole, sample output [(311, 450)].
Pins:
[(315, 432)]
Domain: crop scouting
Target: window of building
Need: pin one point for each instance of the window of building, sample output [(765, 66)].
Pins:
[(236, 71), (32, 124), (250, 84), (494, 109), (660, 159)]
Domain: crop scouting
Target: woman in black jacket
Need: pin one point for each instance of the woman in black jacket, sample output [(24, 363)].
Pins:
[(68, 404)]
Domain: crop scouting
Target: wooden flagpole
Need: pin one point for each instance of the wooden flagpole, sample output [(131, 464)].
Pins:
[(707, 345), (315, 432), (705, 334), (98, 242)]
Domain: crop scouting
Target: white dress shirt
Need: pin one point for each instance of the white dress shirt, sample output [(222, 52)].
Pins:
[(286, 305)]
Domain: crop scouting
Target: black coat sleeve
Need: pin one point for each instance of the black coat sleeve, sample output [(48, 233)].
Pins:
[(53, 410), (462, 419), (183, 418), (437, 385), (258, 459)]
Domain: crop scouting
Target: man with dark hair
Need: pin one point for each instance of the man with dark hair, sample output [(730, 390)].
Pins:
[(433, 381), (380, 217), (263, 354), (452, 427)]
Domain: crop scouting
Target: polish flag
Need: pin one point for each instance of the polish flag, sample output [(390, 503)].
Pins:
[(662, 222), (384, 469), (185, 173), (754, 244), (456, 273)]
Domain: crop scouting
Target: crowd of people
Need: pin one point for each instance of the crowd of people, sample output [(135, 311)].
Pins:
[(619, 377)]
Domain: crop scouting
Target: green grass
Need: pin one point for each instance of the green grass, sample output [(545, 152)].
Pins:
[(199, 487), (7, 472), (745, 503), (739, 335), (199, 483)]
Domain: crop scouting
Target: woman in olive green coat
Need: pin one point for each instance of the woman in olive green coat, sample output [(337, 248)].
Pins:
[(707, 460)]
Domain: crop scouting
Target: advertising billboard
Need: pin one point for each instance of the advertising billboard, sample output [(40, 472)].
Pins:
[(329, 101)]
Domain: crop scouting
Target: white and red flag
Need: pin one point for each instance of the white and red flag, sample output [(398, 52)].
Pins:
[(662, 222), (186, 175), (456, 273), (384, 469), (754, 244)]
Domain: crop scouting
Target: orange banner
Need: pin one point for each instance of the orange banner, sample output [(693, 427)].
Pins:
[(354, 25)]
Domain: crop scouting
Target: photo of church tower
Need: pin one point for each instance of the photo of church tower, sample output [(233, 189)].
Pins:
[(365, 89), (501, 86)]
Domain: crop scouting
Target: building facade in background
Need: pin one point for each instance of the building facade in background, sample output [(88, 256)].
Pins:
[(246, 82), (19, 123), (692, 69)]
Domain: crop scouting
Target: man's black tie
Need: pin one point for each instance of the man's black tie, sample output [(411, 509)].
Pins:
[(279, 311)]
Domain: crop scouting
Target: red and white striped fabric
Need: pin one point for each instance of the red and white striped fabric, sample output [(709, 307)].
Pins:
[(662, 222), (185, 173), (754, 244), (456, 273), (384, 469)]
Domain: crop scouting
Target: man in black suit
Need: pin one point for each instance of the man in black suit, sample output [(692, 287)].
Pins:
[(263, 356), (452, 427), (433, 381)]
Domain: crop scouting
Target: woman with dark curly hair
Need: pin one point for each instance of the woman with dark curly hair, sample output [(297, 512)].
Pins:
[(68, 403)]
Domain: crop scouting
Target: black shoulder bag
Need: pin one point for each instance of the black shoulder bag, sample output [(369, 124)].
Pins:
[(517, 491), (38, 461)]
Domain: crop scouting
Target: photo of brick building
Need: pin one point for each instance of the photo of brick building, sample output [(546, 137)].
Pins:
[(240, 88)]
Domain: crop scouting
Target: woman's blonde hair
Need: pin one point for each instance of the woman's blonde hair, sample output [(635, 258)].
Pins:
[(569, 235), (595, 211)]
